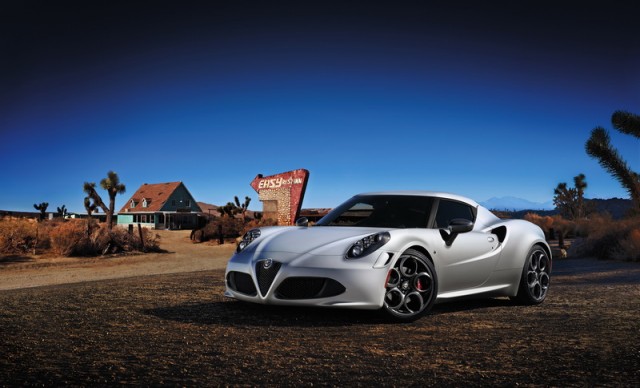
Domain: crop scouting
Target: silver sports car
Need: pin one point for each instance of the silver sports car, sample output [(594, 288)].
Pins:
[(400, 252)]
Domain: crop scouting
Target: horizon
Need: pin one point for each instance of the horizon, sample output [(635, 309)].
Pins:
[(481, 100), (481, 203)]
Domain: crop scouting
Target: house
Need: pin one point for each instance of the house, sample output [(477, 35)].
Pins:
[(161, 206)]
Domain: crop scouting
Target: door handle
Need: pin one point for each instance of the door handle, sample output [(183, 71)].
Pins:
[(491, 239)]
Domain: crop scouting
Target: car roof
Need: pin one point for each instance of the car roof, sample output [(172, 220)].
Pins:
[(436, 194)]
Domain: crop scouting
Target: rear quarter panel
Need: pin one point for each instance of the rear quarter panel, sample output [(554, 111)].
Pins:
[(521, 236)]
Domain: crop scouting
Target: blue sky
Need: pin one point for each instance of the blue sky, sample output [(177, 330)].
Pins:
[(483, 100)]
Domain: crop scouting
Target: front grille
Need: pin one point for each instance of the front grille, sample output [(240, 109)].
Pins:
[(266, 275), (241, 282), (309, 288)]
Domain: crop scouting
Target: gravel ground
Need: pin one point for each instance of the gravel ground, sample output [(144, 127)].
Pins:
[(177, 329)]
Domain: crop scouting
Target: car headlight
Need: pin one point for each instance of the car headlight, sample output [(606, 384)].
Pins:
[(247, 239), (368, 244)]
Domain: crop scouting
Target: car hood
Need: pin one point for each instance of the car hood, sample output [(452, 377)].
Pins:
[(325, 240)]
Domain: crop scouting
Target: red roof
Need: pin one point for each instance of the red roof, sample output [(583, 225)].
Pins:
[(155, 194)]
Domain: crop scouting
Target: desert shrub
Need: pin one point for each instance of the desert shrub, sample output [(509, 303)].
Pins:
[(611, 239), (151, 240), (595, 222), (120, 240), (44, 235), (19, 236), (553, 226), (258, 224), (630, 246), (563, 227), (16, 236), (230, 227), (71, 239)]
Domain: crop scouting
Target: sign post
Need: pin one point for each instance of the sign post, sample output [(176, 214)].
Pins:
[(281, 194)]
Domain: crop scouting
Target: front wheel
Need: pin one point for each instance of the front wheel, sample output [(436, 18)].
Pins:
[(536, 277), (411, 287)]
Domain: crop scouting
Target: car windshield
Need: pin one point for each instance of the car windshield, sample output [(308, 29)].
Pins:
[(383, 211)]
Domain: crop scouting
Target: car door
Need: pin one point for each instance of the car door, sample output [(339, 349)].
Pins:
[(472, 256)]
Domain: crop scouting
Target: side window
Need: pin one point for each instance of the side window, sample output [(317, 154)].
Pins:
[(448, 210)]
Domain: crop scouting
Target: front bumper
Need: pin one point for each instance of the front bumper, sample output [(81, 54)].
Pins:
[(286, 279)]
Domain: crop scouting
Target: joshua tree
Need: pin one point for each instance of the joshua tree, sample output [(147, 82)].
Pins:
[(42, 207), (113, 186), (62, 211), (91, 207), (230, 209), (570, 201), (242, 208), (599, 147), (93, 200)]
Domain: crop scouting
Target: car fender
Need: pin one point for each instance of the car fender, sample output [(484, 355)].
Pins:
[(520, 236)]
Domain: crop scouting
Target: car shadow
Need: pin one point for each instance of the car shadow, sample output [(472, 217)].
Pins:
[(471, 304), (581, 271), (13, 259), (235, 313)]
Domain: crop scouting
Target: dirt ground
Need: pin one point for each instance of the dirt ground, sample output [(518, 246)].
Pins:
[(173, 327), (181, 256)]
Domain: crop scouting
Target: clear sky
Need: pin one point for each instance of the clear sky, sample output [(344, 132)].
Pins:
[(484, 99)]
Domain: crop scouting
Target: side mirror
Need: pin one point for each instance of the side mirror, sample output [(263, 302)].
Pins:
[(302, 221), (456, 226), (460, 225)]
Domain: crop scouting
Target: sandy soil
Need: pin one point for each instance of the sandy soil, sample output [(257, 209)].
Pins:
[(182, 256), (173, 327)]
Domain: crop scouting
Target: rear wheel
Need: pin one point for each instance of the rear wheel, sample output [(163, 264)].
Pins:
[(411, 287), (536, 277)]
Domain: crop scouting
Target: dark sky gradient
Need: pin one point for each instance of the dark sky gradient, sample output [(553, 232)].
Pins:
[(480, 99)]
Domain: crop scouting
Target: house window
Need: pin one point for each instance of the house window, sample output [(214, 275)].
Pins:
[(188, 203), (144, 219), (144, 202), (133, 203)]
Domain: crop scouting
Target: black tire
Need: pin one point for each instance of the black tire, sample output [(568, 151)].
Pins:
[(411, 288), (536, 277)]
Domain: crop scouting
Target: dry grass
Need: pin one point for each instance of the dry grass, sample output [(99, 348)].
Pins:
[(603, 237), (20, 236), (70, 238), (615, 240)]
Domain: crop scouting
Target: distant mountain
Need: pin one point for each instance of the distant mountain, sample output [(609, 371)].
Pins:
[(515, 203), (209, 208), (617, 207)]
